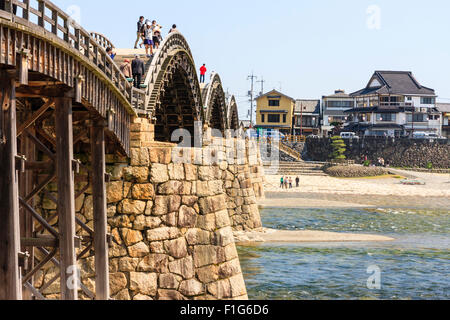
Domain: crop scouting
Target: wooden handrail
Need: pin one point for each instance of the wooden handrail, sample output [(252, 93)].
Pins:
[(92, 46)]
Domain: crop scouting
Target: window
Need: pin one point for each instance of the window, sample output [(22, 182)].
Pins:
[(263, 118), (273, 118), (427, 100), (409, 98), (340, 104), (387, 117), (284, 118), (274, 103), (417, 117)]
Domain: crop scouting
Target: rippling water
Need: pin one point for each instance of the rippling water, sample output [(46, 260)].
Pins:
[(415, 266)]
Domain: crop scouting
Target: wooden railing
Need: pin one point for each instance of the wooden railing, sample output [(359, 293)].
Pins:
[(172, 41), (294, 139), (102, 40), (48, 16)]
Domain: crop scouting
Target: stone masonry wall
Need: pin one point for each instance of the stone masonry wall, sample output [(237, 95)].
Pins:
[(396, 152), (171, 221)]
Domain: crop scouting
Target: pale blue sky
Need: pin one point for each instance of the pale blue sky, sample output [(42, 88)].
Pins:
[(312, 47)]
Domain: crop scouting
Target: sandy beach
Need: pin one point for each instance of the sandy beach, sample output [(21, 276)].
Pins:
[(437, 185), (329, 192), (284, 236)]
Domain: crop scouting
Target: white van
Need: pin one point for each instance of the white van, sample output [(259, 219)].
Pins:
[(349, 135), (420, 135)]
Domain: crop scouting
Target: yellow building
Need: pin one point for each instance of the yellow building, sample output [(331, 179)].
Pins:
[(274, 111)]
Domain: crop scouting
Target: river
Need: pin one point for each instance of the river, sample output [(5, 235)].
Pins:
[(414, 266)]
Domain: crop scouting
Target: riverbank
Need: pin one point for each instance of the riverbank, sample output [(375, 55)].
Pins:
[(328, 192), (288, 236)]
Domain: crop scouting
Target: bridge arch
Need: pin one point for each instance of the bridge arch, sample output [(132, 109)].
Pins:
[(233, 114), (215, 105), (173, 96)]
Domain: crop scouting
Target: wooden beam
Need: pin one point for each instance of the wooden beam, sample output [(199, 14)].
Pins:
[(35, 116), (10, 282), (66, 198), (100, 211)]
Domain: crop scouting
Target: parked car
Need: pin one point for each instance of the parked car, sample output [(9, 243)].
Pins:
[(349, 135)]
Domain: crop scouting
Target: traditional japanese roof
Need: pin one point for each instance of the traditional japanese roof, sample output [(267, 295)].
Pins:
[(394, 82), (309, 106), (274, 93)]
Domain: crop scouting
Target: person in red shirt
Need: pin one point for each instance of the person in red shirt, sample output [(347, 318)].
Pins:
[(203, 73)]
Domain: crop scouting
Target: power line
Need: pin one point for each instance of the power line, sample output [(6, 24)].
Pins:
[(252, 77), (262, 81)]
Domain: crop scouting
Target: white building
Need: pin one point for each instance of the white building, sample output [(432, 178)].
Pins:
[(394, 103), (333, 110)]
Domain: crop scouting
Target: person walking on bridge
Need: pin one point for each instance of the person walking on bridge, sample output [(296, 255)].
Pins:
[(148, 40), (203, 73), (140, 29), (138, 69), (125, 67)]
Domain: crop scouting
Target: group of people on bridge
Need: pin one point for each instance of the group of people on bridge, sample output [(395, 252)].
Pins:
[(149, 33)]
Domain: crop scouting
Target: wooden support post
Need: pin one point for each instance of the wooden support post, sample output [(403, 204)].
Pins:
[(66, 198), (100, 211), (10, 282), (26, 186)]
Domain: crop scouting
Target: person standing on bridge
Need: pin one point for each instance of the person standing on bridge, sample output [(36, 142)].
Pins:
[(174, 29), (125, 67), (138, 69), (156, 34), (140, 29), (203, 73), (148, 40)]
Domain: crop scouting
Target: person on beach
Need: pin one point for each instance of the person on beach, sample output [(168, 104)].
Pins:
[(140, 29), (297, 182), (203, 73), (286, 182), (290, 183), (138, 69), (282, 183)]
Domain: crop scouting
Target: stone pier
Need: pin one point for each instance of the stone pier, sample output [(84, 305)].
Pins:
[(171, 214)]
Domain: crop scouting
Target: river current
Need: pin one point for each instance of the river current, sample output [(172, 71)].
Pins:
[(414, 266)]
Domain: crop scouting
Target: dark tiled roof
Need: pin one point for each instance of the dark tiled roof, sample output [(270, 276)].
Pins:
[(355, 127), (309, 106), (443, 107), (395, 82), (378, 110)]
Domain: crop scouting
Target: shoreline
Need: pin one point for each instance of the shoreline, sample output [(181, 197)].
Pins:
[(304, 236), (318, 192)]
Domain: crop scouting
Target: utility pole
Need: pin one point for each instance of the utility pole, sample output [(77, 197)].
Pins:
[(262, 81), (252, 77)]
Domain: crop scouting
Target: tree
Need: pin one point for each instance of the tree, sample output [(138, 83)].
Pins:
[(339, 148)]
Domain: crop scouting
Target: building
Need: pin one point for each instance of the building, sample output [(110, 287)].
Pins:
[(444, 109), (274, 112), (307, 117), (333, 110), (394, 103), (245, 124)]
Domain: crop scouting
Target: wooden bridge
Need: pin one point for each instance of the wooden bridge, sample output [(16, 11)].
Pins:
[(61, 96)]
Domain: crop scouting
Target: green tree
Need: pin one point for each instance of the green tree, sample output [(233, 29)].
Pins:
[(339, 148)]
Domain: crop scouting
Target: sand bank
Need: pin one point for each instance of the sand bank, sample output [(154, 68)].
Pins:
[(283, 236)]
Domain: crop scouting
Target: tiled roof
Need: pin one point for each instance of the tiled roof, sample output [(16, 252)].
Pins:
[(395, 82), (309, 106), (443, 107)]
